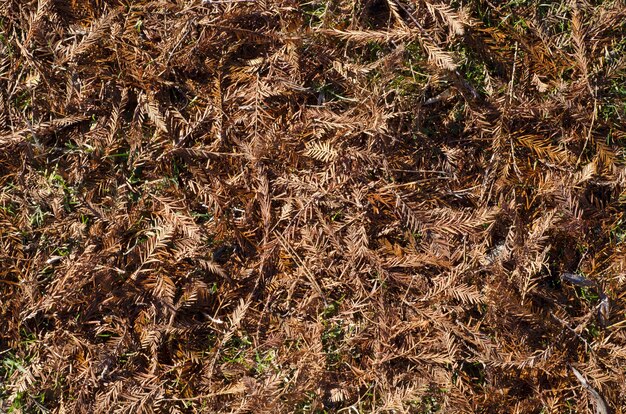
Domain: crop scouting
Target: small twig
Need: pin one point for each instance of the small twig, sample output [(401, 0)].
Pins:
[(588, 346), (227, 1), (601, 407), (617, 324), (513, 75), (593, 120), (237, 389), (298, 259)]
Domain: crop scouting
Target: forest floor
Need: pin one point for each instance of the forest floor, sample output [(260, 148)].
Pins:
[(332, 206)]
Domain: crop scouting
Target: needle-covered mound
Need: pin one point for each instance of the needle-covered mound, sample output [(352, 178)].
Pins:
[(388, 206)]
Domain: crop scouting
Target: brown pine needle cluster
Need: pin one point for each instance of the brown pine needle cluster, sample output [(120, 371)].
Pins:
[(321, 206)]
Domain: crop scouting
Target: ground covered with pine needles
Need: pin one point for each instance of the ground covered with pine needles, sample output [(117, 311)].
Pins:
[(389, 206)]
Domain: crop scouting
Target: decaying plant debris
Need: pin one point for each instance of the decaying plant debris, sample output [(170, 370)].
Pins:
[(326, 206)]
